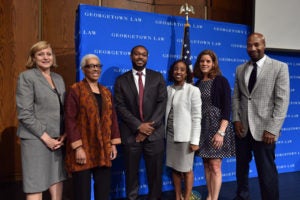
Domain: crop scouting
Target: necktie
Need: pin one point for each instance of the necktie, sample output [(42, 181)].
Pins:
[(252, 78), (141, 94)]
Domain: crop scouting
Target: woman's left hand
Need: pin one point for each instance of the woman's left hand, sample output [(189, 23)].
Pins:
[(114, 152), (194, 147), (61, 140), (218, 141)]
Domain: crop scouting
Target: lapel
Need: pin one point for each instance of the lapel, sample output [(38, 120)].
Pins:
[(263, 72), (58, 87), (131, 84), (243, 85), (147, 81), (41, 78)]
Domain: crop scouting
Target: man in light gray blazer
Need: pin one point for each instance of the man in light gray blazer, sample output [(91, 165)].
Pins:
[(260, 102)]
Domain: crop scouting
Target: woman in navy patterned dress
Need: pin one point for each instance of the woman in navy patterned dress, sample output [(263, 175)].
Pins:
[(217, 137)]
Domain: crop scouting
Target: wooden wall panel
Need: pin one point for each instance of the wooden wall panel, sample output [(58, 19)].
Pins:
[(140, 5), (19, 30), (234, 11), (58, 28)]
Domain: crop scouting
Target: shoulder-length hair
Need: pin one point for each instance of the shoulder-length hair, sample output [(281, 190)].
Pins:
[(35, 48), (189, 77), (215, 69)]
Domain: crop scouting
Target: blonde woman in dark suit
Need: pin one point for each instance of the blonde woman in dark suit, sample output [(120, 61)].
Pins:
[(39, 97)]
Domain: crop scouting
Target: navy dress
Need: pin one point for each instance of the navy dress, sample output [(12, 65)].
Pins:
[(210, 124)]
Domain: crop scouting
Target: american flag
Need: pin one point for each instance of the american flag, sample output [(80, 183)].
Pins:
[(186, 49)]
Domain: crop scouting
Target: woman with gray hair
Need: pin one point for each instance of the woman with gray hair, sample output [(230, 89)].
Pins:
[(92, 132)]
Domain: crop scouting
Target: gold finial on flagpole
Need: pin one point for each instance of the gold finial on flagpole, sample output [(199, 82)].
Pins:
[(186, 9)]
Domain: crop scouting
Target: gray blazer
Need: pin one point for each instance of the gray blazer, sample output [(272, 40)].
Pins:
[(266, 107), (38, 105)]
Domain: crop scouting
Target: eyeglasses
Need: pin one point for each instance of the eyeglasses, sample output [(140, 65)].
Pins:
[(93, 66)]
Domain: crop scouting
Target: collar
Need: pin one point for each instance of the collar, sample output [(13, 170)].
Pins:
[(179, 87), (261, 61), (135, 71)]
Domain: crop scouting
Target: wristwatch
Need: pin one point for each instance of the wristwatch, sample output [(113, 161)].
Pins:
[(221, 133)]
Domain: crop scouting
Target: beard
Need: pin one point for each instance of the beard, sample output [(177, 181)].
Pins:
[(138, 67)]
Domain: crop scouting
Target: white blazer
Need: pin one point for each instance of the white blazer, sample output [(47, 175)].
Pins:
[(187, 113)]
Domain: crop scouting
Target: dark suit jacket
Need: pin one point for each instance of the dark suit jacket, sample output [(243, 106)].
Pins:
[(154, 104)]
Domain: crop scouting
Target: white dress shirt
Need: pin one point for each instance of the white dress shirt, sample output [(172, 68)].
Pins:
[(250, 67), (136, 77)]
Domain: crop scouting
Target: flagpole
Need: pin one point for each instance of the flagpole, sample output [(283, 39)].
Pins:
[(186, 57), (186, 51), (186, 9)]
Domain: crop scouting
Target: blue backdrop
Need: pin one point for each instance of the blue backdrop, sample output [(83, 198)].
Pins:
[(111, 33)]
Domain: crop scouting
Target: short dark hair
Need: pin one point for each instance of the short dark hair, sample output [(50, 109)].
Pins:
[(138, 46)]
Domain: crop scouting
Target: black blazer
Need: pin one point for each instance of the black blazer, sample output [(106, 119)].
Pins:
[(154, 104)]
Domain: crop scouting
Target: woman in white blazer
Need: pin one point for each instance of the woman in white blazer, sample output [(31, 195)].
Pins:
[(183, 119)]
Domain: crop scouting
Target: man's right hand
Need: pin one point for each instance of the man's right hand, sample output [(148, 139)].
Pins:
[(146, 128), (140, 137)]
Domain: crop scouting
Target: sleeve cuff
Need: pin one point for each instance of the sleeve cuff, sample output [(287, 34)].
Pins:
[(76, 144), (116, 141)]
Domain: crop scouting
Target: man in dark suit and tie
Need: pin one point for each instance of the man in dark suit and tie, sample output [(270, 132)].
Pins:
[(140, 99), (260, 103)]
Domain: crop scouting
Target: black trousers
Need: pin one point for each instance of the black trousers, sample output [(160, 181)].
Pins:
[(153, 153), (82, 183), (264, 155)]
